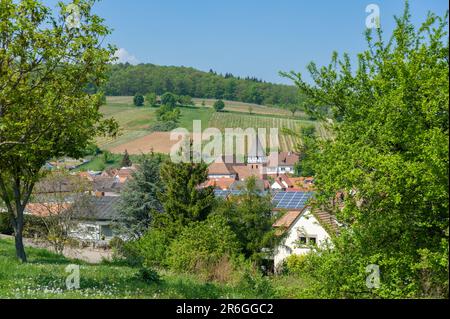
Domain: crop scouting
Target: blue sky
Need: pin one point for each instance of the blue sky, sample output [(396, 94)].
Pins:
[(246, 37)]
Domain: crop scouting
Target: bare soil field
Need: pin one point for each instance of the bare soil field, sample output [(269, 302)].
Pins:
[(158, 142)]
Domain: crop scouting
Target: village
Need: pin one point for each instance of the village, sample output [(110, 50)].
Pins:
[(159, 150), (302, 229)]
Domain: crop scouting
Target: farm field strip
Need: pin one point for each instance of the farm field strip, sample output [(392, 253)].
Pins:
[(232, 120), (135, 123)]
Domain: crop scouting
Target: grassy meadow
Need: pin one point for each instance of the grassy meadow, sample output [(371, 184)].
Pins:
[(44, 277)]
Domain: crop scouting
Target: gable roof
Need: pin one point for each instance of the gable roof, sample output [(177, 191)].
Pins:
[(100, 208), (326, 220), (287, 158), (47, 209), (219, 168), (288, 219), (219, 183), (107, 184)]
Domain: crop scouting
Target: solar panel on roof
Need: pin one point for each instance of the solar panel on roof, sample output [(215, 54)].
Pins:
[(291, 200)]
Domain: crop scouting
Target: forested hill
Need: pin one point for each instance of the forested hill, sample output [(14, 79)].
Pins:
[(126, 79)]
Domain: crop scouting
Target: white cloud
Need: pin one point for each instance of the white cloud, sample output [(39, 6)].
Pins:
[(123, 56)]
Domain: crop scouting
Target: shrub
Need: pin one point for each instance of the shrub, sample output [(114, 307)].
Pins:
[(251, 281), (34, 227), (150, 99), (148, 275), (201, 246), (295, 264), (219, 106), (138, 100), (163, 126), (186, 100), (169, 99), (5, 224), (152, 248)]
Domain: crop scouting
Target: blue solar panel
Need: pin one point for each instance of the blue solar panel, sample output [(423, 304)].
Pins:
[(291, 200), (280, 200)]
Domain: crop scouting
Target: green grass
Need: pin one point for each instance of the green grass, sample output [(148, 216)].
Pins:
[(44, 277), (114, 161), (189, 114)]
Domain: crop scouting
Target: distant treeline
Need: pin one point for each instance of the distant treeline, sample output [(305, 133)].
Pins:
[(126, 80)]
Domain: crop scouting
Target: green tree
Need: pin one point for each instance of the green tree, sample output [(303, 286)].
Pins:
[(219, 105), (389, 157), (138, 100), (45, 109), (306, 146), (126, 161), (150, 99), (250, 217), (169, 99), (293, 109), (138, 200), (182, 199), (202, 245), (186, 100), (165, 114)]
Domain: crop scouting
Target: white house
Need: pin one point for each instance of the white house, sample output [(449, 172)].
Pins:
[(284, 164), (95, 224), (302, 230)]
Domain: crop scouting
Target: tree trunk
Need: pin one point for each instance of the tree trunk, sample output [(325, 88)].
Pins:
[(18, 236), (20, 250)]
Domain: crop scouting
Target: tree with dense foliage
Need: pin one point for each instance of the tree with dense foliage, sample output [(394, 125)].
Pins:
[(305, 146), (150, 99), (219, 106), (389, 158), (185, 100), (139, 199), (127, 80), (182, 199), (126, 161), (169, 99), (138, 100), (45, 110), (165, 114), (250, 217)]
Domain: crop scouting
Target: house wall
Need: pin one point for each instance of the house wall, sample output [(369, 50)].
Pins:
[(307, 226), (280, 170), (93, 231)]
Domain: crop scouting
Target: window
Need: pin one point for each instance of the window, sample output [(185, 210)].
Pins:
[(90, 229), (302, 240), (312, 241)]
